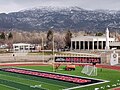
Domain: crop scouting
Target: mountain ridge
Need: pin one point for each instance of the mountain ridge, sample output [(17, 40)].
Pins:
[(76, 18)]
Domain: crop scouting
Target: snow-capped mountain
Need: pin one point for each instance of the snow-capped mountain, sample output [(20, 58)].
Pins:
[(44, 18)]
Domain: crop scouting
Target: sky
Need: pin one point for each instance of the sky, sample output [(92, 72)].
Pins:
[(7, 6)]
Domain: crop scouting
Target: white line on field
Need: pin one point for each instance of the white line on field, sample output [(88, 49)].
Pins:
[(39, 81), (104, 81), (84, 86), (64, 74), (9, 86)]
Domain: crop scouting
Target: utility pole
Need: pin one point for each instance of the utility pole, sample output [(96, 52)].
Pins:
[(53, 54), (43, 49)]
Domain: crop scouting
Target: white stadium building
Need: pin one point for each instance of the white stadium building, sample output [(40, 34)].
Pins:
[(89, 42), (94, 42)]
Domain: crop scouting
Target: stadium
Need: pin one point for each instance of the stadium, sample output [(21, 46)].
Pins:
[(91, 70)]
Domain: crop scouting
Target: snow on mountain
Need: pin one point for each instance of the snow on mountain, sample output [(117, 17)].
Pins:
[(60, 18)]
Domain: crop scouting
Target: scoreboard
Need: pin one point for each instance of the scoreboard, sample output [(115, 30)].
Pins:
[(79, 59)]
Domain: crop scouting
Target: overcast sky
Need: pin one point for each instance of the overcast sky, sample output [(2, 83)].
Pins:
[(17, 5)]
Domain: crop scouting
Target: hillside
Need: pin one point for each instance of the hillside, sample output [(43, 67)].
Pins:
[(44, 18)]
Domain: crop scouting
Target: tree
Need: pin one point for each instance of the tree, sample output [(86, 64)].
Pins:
[(99, 34), (49, 40), (2, 36), (50, 35), (67, 39), (10, 36)]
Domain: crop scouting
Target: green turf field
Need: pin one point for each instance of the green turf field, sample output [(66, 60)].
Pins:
[(13, 81)]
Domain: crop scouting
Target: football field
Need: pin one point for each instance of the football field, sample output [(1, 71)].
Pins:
[(14, 80)]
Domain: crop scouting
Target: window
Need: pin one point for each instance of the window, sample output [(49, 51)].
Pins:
[(81, 44), (86, 44), (90, 45), (95, 45), (77, 45), (16, 46)]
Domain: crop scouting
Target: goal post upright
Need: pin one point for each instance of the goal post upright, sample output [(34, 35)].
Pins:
[(89, 70), (53, 62)]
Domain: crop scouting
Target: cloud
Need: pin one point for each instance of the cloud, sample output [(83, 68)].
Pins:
[(16, 5)]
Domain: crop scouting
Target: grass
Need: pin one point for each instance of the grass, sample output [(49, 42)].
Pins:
[(12, 81), (5, 87)]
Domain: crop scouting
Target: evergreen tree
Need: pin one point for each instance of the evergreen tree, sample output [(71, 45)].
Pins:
[(99, 34), (2, 36), (50, 35), (67, 39), (10, 36), (49, 39)]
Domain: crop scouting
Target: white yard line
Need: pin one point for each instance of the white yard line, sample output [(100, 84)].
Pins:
[(83, 86), (9, 86), (38, 82)]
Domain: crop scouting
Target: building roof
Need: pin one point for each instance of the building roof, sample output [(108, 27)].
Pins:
[(91, 38), (19, 44)]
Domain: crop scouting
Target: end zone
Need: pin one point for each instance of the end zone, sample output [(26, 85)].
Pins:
[(78, 80)]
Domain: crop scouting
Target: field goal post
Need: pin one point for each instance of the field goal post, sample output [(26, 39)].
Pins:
[(89, 70)]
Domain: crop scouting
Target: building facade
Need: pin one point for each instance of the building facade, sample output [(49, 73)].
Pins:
[(22, 47), (89, 42)]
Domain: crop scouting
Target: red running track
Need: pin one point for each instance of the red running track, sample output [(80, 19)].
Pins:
[(109, 67), (105, 66), (116, 88), (99, 66)]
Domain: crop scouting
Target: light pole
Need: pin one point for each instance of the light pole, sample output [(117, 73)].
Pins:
[(53, 45), (53, 53), (43, 49)]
